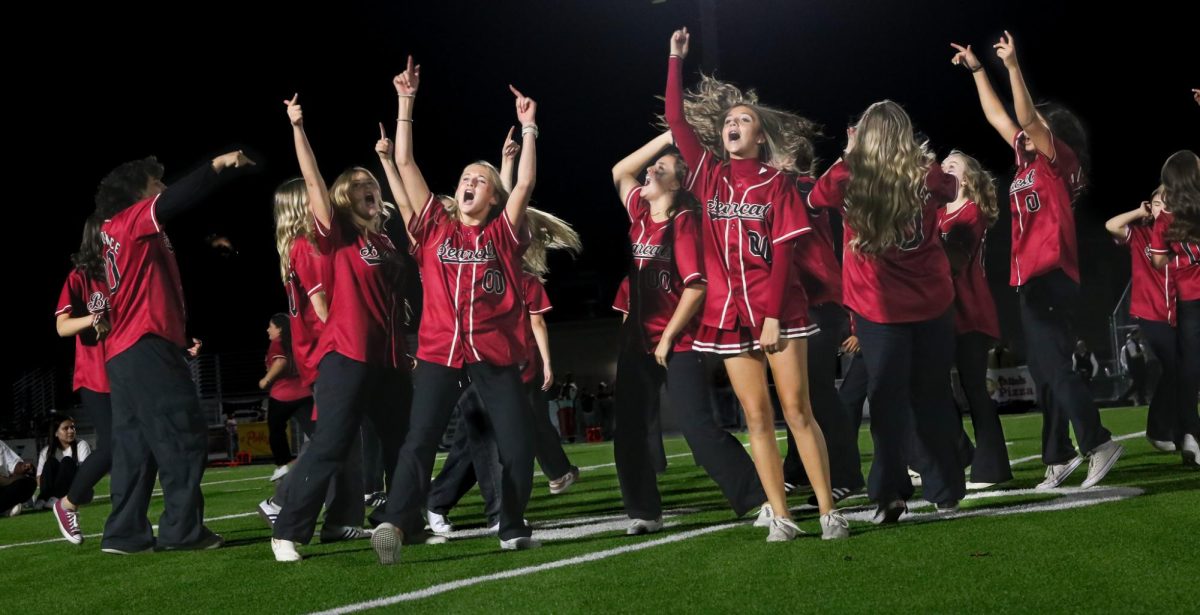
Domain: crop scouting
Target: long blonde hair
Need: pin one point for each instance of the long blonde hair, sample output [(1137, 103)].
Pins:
[(788, 136), (886, 195), (339, 197), (549, 233), (979, 186), (292, 220)]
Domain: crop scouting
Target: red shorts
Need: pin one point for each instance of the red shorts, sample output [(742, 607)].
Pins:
[(745, 339)]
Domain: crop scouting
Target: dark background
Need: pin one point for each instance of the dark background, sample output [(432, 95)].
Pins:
[(90, 87)]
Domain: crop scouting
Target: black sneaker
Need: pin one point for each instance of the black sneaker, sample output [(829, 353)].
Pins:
[(209, 541), (890, 512)]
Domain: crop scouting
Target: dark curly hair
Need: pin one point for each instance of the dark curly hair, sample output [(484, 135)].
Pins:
[(125, 185)]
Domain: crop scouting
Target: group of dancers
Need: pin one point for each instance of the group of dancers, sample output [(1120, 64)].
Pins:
[(733, 254)]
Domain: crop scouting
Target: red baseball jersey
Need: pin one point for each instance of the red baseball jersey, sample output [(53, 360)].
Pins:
[(1043, 225), (366, 309), (1152, 291), (287, 387), (306, 276), (471, 275), (82, 295), (666, 258), (749, 207), (1185, 258), (965, 230), (145, 294), (906, 283), (536, 302), (814, 258)]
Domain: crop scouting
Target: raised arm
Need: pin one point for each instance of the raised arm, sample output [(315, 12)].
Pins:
[(406, 84), (518, 198), (993, 107), (625, 172), (684, 135), (318, 192), (508, 159), (1027, 115), (384, 149), (1118, 225)]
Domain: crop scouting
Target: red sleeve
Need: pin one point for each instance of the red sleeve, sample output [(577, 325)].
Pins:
[(621, 302), (508, 237), (275, 351), (689, 260), (1138, 237), (536, 301), (419, 226), (1129, 237), (71, 295), (1158, 236), (635, 205), (139, 220), (830, 190), (790, 219), (943, 187), (307, 266), (326, 235), (684, 135)]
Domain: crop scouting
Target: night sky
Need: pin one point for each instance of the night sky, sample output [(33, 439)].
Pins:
[(104, 85)]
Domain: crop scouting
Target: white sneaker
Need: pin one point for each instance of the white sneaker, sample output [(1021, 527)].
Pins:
[(268, 511), (1058, 472), (338, 533), (1191, 450), (946, 507), (980, 486), (1165, 446), (914, 477), (439, 524), (280, 472), (285, 550), (386, 541), (644, 526), (16, 510), (523, 543), (765, 514), (1101, 461), (783, 530), (834, 526), (564, 482)]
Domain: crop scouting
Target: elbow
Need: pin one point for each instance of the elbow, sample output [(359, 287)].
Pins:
[(523, 186), (618, 174)]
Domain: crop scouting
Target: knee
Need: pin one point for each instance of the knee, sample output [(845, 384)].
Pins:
[(760, 424), (799, 419)]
